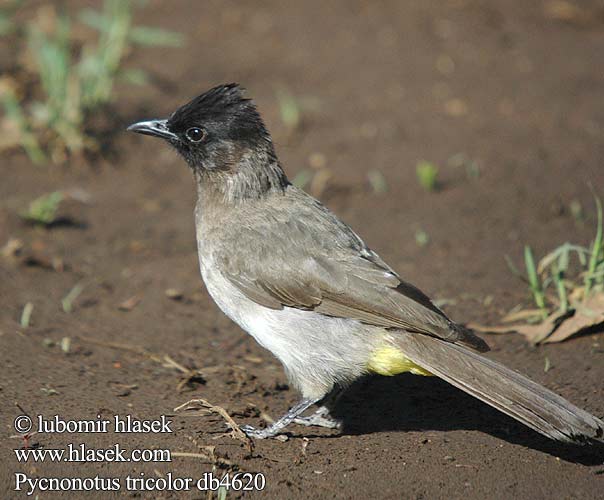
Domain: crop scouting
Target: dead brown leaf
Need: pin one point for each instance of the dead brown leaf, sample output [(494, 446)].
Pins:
[(130, 303), (532, 333), (587, 315), (522, 315), (536, 333), (557, 326), (491, 329)]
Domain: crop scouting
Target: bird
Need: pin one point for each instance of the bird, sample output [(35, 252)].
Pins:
[(307, 288)]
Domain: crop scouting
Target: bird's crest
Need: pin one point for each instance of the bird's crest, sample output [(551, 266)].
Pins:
[(220, 104)]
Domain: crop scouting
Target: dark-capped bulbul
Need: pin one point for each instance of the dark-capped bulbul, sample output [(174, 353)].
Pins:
[(308, 289)]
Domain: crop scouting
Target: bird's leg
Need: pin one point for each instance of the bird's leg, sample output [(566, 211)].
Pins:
[(322, 418), (274, 429)]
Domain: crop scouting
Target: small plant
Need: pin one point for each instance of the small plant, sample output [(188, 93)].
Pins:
[(594, 274), (43, 210), (290, 109), (550, 282), (427, 175), (421, 238), (534, 281), (71, 82), (377, 181), (293, 108), (568, 293)]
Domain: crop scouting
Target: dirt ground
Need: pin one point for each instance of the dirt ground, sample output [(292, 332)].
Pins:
[(514, 88)]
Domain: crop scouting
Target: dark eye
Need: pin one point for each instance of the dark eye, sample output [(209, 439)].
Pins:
[(195, 134)]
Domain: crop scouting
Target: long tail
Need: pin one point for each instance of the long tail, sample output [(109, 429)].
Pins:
[(504, 389)]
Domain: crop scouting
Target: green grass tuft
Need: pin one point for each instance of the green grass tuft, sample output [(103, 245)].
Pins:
[(557, 280), (72, 81)]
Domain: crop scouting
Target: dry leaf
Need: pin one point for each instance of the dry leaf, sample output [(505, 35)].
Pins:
[(536, 333), (523, 314), (130, 303), (533, 333), (556, 327), (587, 315), (491, 329)]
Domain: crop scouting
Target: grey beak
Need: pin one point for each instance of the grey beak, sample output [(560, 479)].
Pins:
[(157, 128)]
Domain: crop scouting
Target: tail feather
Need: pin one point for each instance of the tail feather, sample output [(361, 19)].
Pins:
[(504, 389)]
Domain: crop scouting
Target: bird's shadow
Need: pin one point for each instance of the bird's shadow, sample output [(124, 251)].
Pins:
[(409, 403)]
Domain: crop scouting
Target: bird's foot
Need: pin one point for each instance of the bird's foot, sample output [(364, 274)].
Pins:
[(275, 428), (320, 418), (319, 421), (252, 432)]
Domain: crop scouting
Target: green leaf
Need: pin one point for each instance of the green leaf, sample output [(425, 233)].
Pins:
[(427, 174), (94, 19), (533, 278), (43, 210), (596, 249), (155, 37), (289, 109), (135, 76), (15, 113), (421, 238)]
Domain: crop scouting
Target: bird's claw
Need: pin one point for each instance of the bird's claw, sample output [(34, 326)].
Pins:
[(318, 421), (252, 432)]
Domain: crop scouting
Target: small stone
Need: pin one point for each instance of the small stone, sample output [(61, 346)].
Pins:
[(174, 294)]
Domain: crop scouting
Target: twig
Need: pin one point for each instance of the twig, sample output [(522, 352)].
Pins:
[(190, 375), (212, 459), (123, 347), (201, 404), (210, 452)]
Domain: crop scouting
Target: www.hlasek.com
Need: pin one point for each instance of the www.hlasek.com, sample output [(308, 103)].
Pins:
[(81, 453)]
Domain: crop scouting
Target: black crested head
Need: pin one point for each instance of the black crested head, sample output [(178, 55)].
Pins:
[(224, 111), (220, 133), (212, 129)]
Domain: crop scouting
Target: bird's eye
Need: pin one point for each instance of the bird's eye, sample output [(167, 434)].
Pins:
[(195, 134)]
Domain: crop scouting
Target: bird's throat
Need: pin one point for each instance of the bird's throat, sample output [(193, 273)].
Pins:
[(237, 185)]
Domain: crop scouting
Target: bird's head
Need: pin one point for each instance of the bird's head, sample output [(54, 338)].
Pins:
[(220, 131)]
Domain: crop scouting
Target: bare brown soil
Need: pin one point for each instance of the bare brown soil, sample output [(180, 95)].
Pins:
[(506, 84)]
